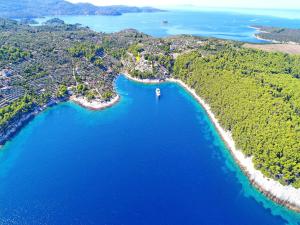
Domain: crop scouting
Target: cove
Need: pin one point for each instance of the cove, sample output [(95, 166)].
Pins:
[(142, 161)]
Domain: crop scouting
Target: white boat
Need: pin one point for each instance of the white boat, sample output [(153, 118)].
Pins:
[(157, 91)]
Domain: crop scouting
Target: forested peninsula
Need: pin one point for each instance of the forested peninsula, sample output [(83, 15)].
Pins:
[(253, 94), (278, 34)]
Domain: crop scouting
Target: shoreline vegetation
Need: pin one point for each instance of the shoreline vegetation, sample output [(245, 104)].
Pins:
[(287, 196), (95, 105), (25, 118)]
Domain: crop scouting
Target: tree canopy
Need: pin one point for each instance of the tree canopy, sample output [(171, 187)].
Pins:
[(255, 95)]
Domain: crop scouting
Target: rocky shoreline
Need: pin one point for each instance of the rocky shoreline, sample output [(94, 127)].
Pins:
[(287, 196), (94, 104), (14, 128)]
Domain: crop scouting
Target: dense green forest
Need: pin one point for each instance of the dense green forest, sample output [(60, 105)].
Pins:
[(255, 95)]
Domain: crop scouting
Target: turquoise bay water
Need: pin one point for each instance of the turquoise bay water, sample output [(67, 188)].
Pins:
[(233, 25), (142, 162)]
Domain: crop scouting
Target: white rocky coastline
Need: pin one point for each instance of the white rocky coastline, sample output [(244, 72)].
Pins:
[(145, 81), (14, 127), (284, 195), (95, 104)]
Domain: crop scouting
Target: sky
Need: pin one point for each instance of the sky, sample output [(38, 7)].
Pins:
[(258, 4)]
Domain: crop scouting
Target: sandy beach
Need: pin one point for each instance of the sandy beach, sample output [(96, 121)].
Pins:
[(283, 195), (94, 104)]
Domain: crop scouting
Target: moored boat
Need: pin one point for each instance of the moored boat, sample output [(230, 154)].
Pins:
[(157, 91)]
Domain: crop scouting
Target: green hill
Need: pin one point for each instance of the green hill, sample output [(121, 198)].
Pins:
[(39, 8)]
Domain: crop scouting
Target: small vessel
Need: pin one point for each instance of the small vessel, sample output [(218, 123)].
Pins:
[(157, 91), (165, 21)]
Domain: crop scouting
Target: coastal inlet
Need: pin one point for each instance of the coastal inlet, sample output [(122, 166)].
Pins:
[(139, 162)]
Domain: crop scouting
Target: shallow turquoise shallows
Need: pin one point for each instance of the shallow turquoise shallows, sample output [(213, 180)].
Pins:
[(142, 162)]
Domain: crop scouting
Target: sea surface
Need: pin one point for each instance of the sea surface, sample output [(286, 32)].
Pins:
[(227, 24), (144, 161)]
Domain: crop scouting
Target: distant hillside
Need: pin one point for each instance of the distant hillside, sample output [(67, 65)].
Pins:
[(39, 8), (278, 34)]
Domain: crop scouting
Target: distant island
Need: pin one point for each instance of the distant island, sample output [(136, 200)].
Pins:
[(251, 96), (40, 8)]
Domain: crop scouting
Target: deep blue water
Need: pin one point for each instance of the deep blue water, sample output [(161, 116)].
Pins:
[(233, 25), (142, 162)]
